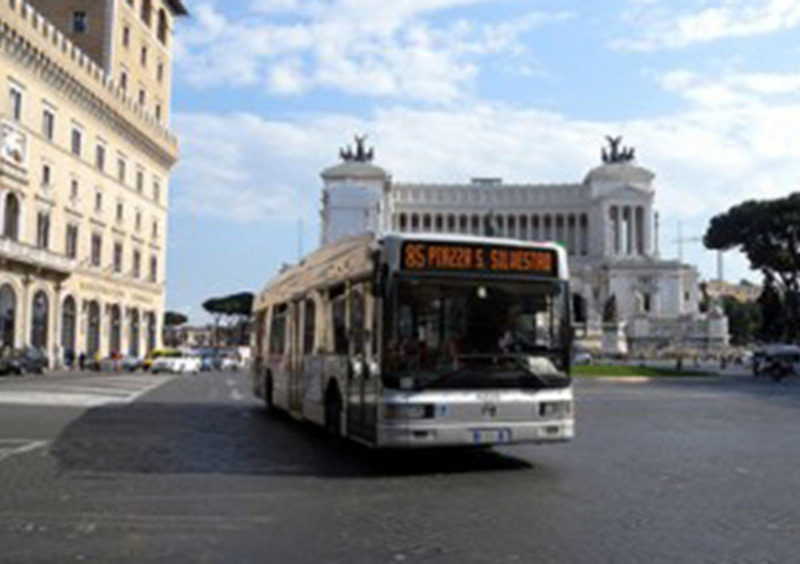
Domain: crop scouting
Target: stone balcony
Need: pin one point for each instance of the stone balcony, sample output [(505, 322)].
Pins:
[(35, 257)]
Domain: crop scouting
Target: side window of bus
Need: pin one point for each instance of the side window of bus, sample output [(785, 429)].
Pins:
[(338, 300), (357, 318), (277, 331), (309, 326)]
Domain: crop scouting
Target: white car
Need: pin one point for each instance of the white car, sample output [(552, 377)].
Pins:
[(176, 364)]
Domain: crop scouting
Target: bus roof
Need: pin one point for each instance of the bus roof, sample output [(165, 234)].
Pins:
[(350, 257)]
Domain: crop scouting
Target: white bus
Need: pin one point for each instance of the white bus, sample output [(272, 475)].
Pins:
[(421, 341)]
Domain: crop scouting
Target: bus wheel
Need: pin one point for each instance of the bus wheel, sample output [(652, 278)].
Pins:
[(333, 412)]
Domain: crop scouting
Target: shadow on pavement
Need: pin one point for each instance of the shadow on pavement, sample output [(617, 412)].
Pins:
[(158, 438)]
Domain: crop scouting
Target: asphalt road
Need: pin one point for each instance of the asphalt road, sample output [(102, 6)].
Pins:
[(116, 469)]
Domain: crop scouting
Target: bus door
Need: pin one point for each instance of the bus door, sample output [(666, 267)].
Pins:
[(370, 383), (357, 368), (295, 360)]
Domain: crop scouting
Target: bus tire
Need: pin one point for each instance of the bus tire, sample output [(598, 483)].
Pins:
[(333, 411)]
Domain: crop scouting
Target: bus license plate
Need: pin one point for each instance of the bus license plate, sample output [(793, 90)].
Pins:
[(490, 436)]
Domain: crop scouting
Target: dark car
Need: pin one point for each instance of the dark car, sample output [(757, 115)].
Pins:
[(23, 361)]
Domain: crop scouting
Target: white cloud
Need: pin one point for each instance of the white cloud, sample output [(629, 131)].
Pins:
[(675, 24), (707, 157), (365, 47)]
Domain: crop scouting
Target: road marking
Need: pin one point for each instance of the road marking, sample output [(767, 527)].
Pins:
[(83, 392), (12, 447)]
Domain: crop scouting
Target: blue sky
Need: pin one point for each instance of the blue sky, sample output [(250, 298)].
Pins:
[(266, 91)]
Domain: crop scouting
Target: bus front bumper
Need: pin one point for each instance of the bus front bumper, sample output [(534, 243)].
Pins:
[(421, 434)]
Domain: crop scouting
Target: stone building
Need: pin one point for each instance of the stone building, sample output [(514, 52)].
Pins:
[(85, 158), (607, 223)]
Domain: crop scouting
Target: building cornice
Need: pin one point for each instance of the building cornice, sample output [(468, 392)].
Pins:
[(30, 38)]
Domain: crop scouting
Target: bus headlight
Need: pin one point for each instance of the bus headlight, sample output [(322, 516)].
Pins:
[(555, 409), (408, 411)]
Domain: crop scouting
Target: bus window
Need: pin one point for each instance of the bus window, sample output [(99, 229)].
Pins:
[(357, 319), (277, 331), (339, 319), (309, 327)]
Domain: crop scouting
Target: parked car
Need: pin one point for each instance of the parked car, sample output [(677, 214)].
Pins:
[(230, 363), (155, 355), (777, 361), (131, 363), (23, 361), (581, 356), (176, 363)]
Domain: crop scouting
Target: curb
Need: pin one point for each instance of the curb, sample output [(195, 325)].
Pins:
[(650, 379)]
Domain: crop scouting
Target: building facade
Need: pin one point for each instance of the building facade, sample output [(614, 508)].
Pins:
[(85, 158), (607, 223)]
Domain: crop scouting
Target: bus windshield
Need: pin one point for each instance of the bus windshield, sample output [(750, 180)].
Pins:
[(477, 334)]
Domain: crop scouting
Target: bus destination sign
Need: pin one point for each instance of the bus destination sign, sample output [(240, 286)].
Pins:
[(465, 257)]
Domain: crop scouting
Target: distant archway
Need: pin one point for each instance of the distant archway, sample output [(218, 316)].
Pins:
[(8, 316), (93, 333), (40, 315)]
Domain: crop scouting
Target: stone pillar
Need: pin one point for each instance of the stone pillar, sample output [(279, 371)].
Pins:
[(629, 243)]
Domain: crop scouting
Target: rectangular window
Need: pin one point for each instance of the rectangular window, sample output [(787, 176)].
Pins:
[(155, 229), (309, 327), (143, 56), (47, 176), (158, 112), (122, 170), (117, 257), (43, 230), (153, 269), (126, 36), (142, 97), (72, 241), (97, 249), (80, 22), (138, 223), (98, 202), (74, 189), (15, 95), (120, 211), (48, 124), (77, 142), (137, 264), (277, 331), (123, 81), (156, 191), (140, 181), (100, 157), (160, 72), (339, 320)]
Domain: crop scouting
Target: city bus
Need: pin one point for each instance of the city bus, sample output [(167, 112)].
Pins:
[(420, 340)]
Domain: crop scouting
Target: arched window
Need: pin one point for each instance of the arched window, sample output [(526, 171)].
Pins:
[(116, 329), (68, 320), (147, 12), (163, 26), (403, 222), (133, 344), (8, 316), (151, 332), (11, 218), (93, 333), (39, 318)]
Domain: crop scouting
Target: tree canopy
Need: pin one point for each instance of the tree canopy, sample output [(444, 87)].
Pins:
[(174, 319), (240, 305), (768, 233)]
